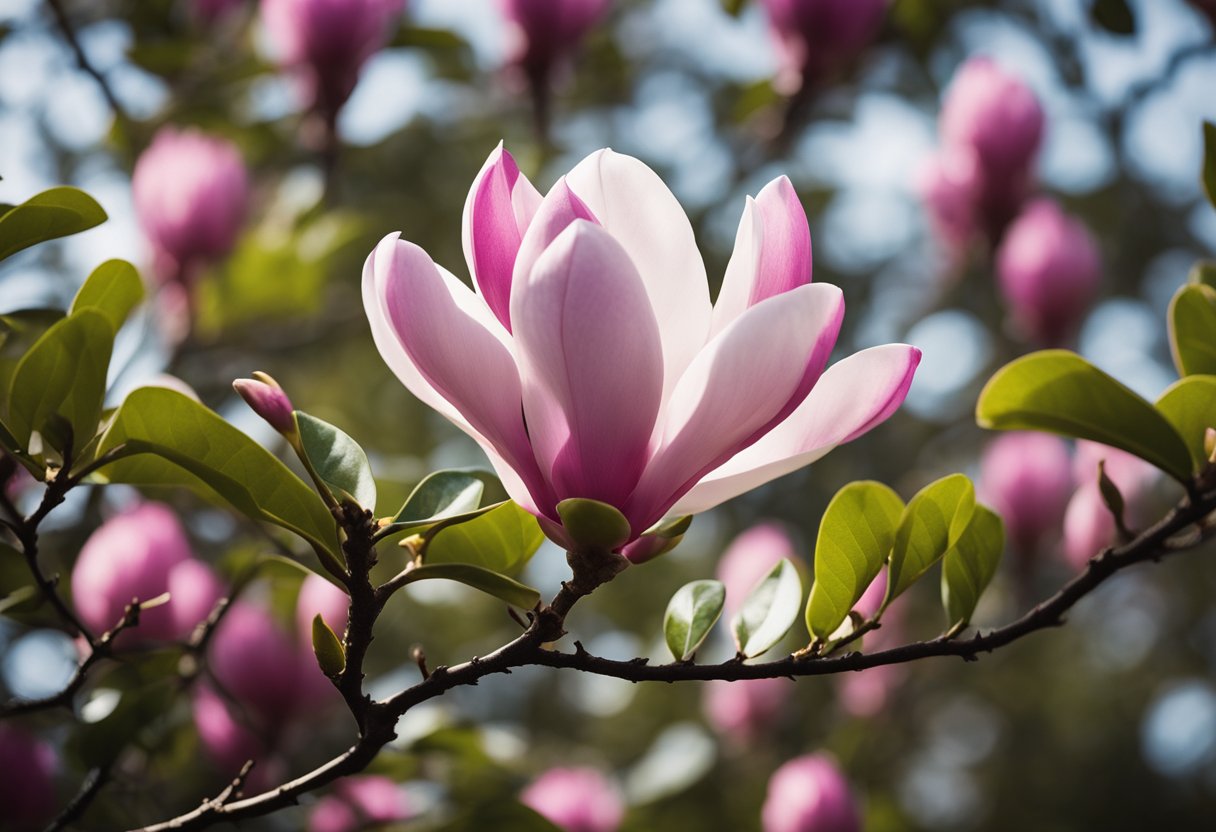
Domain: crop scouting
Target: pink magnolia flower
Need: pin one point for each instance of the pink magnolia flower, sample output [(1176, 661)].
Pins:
[(866, 692), (744, 711), (140, 555), (1089, 526), (809, 794), (576, 799), (326, 42), (590, 362), (191, 192), (994, 113), (1049, 269), (815, 38), (750, 557), (27, 787), (356, 802), (1027, 477), (545, 32)]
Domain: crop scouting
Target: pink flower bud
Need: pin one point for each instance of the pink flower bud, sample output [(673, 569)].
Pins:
[(744, 711), (1089, 526), (816, 38), (227, 742), (356, 802), (191, 193), (27, 785), (994, 113), (268, 400), (259, 666), (1049, 270), (1027, 478), (950, 185), (809, 794), (750, 557), (142, 554), (326, 42), (576, 799), (545, 32)]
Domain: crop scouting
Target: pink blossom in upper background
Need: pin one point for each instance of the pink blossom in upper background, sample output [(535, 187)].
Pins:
[(809, 794), (751, 556), (994, 113), (817, 38), (576, 799), (27, 780), (355, 802), (743, 711), (1049, 269), (590, 362), (191, 194), (546, 32), (1027, 477), (142, 554), (1089, 526), (325, 43)]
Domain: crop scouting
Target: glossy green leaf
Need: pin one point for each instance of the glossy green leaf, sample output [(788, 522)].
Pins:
[(659, 539), (480, 578), (47, 216), (933, 521), (170, 439), (855, 539), (64, 374), (1209, 161), (593, 524), (448, 496), (769, 610), (1190, 406), (969, 566), (338, 460), (1192, 318), (327, 647), (1059, 392), (113, 289), (691, 614), (502, 540), (1203, 273)]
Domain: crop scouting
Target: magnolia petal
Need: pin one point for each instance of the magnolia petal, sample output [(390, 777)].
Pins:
[(560, 207), (588, 347), (632, 202), (746, 380), (853, 395), (497, 212), (772, 252)]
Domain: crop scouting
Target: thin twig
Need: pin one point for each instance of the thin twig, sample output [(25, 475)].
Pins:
[(93, 783), (82, 60)]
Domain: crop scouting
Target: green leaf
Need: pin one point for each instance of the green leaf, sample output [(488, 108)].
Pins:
[(1060, 392), (444, 496), (480, 578), (338, 460), (501, 540), (47, 216), (691, 614), (855, 539), (113, 289), (1209, 161), (327, 648), (64, 374), (1203, 273), (933, 521), (170, 439), (659, 539), (593, 524), (1192, 317), (769, 610), (969, 566), (1190, 406)]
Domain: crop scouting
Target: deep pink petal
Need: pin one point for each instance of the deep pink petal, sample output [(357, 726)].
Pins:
[(560, 207)]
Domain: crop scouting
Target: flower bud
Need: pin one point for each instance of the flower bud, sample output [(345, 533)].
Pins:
[(545, 32), (1049, 270), (817, 38), (1027, 477), (809, 794), (576, 799), (994, 113), (191, 192), (743, 711), (266, 398), (949, 185), (259, 666), (357, 802), (750, 557), (226, 741), (27, 786)]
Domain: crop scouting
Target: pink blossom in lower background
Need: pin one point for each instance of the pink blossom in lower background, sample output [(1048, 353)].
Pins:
[(142, 554), (810, 794), (546, 32), (1089, 526), (191, 194), (1049, 269), (751, 556), (817, 38), (27, 780), (1028, 478), (576, 799), (743, 711), (354, 803)]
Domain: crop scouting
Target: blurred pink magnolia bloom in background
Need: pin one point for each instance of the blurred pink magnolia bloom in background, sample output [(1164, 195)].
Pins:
[(1027, 477), (1089, 526), (751, 556), (576, 799), (590, 362), (357, 803), (142, 554), (817, 38), (545, 32), (1049, 269), (809, 794), (27, 780), (744, 711), (325, 43), (191, 194), (865, 693)]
